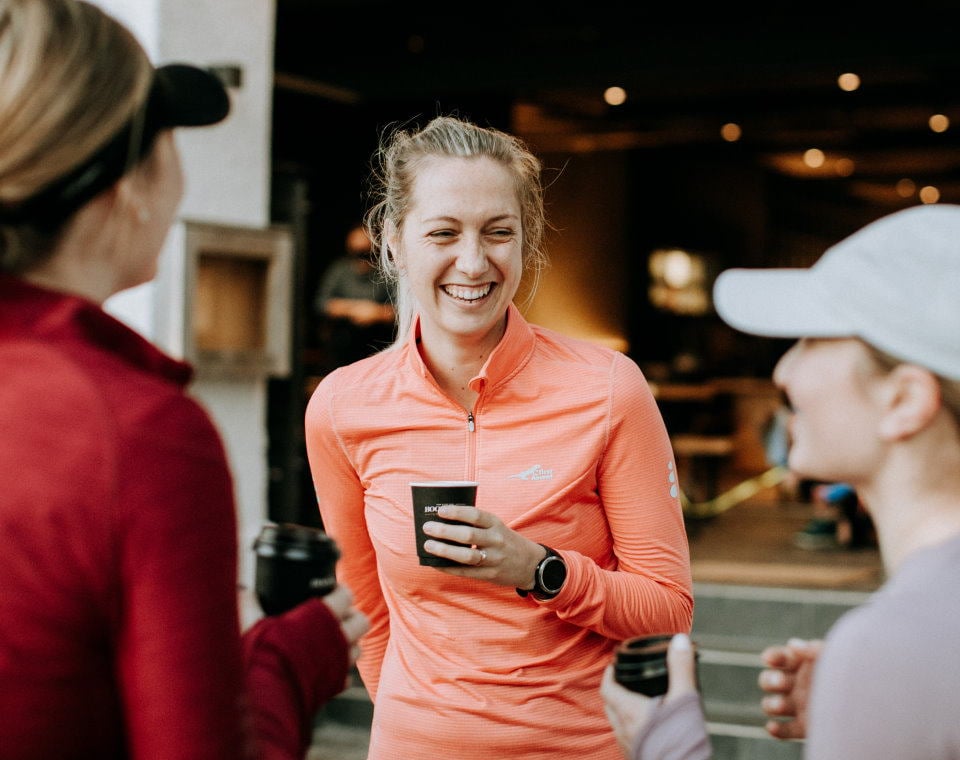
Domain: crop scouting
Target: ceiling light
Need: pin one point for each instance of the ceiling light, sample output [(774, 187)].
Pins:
[(939, 123), (844, 167), (615, 96), (848, 82), (731, 131), (906, 187), (814, 158)]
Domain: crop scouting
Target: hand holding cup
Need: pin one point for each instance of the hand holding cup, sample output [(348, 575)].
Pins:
[(428, 497)]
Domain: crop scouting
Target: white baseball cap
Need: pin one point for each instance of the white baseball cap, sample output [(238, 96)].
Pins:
[(895, 284)]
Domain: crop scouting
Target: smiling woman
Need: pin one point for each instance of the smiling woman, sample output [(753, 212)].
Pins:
[(577, 539)]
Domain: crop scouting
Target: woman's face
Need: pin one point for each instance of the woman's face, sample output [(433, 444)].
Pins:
[(833, 386), (460, 248)]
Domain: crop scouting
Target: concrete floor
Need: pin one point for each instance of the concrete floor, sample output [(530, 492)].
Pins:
[(335, 741), (752, 544)]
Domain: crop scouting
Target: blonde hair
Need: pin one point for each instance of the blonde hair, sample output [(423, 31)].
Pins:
[(72, 77), (399, 158)]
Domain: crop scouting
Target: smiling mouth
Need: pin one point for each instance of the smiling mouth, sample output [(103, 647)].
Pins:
[(467, 293)]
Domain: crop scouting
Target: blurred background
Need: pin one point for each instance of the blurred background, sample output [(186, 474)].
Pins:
[(676, 142)]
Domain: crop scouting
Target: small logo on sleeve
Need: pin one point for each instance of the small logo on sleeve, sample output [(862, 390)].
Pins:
[(537, 472)]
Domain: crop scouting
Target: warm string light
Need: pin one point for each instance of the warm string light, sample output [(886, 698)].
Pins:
[(815, 158), (731, 131), (848, 82), (615, 96), (939, 122)]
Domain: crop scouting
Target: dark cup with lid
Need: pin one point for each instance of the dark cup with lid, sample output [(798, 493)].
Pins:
[(294, 563), (640, 664)]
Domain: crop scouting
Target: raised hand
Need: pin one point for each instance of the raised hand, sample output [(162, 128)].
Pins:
[(787, 679)]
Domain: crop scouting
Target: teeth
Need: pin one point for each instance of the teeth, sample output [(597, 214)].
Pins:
[(465, 293)]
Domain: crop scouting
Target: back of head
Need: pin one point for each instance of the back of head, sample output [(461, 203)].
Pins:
[(72, 76), (400, 158)]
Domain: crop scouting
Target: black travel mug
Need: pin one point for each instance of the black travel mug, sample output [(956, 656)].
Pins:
[(640, 664), (294, 563)]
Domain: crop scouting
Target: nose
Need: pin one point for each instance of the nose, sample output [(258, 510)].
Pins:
[(471, 257), (781, 372)]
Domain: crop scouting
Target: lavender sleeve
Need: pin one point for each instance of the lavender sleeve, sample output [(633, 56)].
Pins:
[(675, 731)]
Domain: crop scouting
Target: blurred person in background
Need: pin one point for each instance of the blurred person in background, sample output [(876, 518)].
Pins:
[(353, 304), (119, 620)]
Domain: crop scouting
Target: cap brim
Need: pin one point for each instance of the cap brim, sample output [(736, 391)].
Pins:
[(188, 96), (777, 303)]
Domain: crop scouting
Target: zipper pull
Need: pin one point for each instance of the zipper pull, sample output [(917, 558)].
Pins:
[(470, 426)]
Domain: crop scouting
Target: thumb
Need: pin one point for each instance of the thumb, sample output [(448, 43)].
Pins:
[(681, 664)]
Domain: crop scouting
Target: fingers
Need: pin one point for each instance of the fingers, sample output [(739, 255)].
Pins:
[(681, 665), (340, 600), (626, 711), (353, 622), (779, 705), (354, 626), (463, 513), (787, 680), (785, 729), (775, 681)]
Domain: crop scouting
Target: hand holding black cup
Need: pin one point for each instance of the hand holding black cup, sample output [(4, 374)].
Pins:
[(294, 563), (640, 664), (428, 496)]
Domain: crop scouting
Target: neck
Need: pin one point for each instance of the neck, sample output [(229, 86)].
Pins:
[(915, 498), (454, 361), (68, 275), (84, 262)]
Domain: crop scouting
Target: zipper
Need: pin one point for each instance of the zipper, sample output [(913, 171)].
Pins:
[(470, 422)]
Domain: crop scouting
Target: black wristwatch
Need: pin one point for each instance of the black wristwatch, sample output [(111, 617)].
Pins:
[(548, 576)]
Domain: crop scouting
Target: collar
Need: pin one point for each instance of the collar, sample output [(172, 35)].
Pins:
[(30, 311), (510, 355)]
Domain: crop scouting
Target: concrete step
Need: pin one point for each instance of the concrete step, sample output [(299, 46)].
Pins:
[(750, 618), (732, 626)]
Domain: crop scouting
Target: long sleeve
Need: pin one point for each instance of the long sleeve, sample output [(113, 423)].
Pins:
[(650, 588), (340, 498), (295, 663), (675, 731), (178, 646)]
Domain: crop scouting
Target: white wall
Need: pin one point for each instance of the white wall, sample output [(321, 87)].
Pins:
[(227, 169)]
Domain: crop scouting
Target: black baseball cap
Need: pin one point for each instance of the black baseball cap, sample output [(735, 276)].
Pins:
[(181, 95)]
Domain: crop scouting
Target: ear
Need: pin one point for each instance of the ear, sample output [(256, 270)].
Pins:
[(913, 402), (391, 235)]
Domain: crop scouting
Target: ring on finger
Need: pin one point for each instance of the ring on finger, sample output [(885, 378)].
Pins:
[(483, 556)]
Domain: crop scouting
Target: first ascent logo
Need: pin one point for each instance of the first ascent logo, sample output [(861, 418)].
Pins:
[(533, 473)]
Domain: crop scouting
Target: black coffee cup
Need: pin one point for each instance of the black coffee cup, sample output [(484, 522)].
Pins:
[(294, 563), (640, 664), (428, 497)]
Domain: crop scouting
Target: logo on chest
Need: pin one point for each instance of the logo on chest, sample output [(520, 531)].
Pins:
[(537, 472)]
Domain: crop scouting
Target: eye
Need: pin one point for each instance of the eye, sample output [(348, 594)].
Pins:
[(442, 234), (502, 233)]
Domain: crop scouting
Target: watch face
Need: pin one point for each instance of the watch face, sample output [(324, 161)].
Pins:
[(553, 573)]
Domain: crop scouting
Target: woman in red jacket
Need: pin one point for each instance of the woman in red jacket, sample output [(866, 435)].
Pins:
[(119, 625)]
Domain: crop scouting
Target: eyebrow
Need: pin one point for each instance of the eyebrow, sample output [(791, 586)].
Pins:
[(499, 218)]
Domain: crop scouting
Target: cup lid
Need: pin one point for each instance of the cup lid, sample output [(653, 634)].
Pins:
[(290, 536)]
